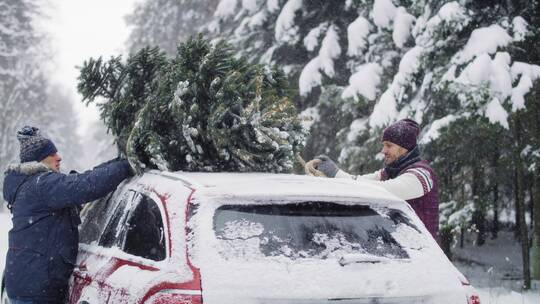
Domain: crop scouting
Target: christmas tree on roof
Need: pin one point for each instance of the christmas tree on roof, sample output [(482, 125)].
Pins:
[(203, 110)]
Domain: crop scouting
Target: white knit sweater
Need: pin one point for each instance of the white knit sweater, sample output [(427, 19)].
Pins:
[(405, 186)]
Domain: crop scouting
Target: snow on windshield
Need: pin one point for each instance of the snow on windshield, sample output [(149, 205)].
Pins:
[(306, 230)]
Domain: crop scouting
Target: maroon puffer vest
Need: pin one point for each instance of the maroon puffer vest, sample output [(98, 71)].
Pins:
[(426, 206)]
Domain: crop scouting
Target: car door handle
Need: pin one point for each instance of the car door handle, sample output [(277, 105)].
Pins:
[(81, 268)]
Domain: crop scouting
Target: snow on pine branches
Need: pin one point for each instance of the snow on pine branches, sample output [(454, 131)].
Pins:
[(203, 110)]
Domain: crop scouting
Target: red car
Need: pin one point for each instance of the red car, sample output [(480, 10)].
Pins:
[(241, 238)]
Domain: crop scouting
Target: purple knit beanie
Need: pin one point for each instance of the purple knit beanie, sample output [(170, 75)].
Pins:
[(403, 133)]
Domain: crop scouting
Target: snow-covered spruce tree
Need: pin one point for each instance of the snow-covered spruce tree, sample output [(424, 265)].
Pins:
[(26, 93), (166, 23), (204, 110)]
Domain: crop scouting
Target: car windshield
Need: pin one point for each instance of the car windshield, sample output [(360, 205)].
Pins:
[(308, 230)]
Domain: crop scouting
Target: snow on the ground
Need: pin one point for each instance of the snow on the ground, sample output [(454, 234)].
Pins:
[(494, 269), (5, 225)]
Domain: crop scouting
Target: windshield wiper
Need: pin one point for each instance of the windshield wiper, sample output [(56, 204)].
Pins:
[(365, 258)]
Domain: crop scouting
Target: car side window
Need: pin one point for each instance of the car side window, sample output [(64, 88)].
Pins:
[(94, 216), (113, 232), (145, 236)]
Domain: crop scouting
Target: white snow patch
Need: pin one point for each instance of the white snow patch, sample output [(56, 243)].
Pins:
[(330, 49), (529, 73), (272, 5), (450, 74), (496, 113), (433, 131), (267, 56), (5, 226), (225, 8), (520, 28), (402, 27), (451, 15), (286, 30), (477, 72), (357, 33), (518, 93), (484, 40), (310, 76), (383, 13), (258, 19), (364, 82), (409, 65), (384, 111), (451, 11), (501, 76), (308, 117), (494, 72), (523, 68), (357, 127), (311, 41), (250, 5)]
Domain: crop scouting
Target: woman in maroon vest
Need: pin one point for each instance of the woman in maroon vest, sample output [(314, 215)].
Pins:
[(404, 174)]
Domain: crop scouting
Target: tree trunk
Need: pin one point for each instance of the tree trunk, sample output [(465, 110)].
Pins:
[(534, 119), (535, 250), (517, 228), (520, 203), (446, 237), (495, 202), (479, 214), (461, 236), (523, 233), (495, 194), (531, 200)]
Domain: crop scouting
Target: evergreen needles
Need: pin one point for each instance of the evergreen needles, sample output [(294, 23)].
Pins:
[(203, 110)]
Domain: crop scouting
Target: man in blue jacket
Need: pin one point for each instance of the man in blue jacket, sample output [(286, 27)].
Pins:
[(43, 242)]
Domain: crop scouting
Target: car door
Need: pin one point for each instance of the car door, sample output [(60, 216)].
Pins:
[(140, 254), (97, 228), (142, 262)]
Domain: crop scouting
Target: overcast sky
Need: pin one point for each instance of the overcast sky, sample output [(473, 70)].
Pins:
[(81, 29)]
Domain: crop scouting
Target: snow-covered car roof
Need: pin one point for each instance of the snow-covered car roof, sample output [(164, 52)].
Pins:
[(283, 186)]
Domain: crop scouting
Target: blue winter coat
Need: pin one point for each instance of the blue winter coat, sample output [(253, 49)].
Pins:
[(43, 243)]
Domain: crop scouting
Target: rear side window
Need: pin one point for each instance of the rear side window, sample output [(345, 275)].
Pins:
[(307, 230), (145, 236)]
